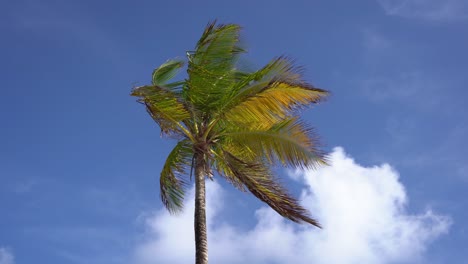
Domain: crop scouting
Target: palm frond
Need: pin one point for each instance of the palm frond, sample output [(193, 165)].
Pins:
[(211, 66), (249, 84), (171, 182), (290, 142), (278, 69), (223, 169), (258, 180), (218, 48), (176, 86), (166, 71), (164, 107), (274, 102)]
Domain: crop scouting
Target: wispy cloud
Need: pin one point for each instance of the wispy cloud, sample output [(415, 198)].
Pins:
[(25, 186), (395, 71), (412, 88), (6, 256), (455, 152), (374, 41), (462, 171), (362, 209), (389, 81), (401, 130), (433, 10)]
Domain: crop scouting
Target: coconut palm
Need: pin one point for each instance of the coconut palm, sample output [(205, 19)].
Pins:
[(232, 123)]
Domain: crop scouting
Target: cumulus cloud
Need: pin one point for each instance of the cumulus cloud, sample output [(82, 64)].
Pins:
[(434, 10), (6, 257), (362, 209)]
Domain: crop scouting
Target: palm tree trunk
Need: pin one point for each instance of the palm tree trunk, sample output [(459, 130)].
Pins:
[(201, 242)]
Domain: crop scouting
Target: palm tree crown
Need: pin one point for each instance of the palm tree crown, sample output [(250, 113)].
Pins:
[(234, 122)]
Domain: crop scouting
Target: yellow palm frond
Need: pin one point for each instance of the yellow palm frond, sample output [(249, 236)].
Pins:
[(275, 102), (248, 85), (290, 142)]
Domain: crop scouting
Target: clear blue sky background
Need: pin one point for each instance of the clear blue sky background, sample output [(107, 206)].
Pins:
[(80, 159)]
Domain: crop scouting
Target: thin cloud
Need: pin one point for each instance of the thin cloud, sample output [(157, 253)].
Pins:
[(24, 187), (431, 10), (374, 41), (412, 88), (6, 257), (362, 209), (401, 87)]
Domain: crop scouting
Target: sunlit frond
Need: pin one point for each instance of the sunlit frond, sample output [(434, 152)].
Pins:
[(290, 142), (250, 84), (258, 180), (164, 107), (172, 184), (274, 102)]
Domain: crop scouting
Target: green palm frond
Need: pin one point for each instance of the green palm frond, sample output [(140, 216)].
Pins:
[(172, 184), (278, 69), (164, 107), (218, 48), (290, 142), (258, 180), (211, 66), (166, 71)]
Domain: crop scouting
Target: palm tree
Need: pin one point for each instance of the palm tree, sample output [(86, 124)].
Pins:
[(235, 122)]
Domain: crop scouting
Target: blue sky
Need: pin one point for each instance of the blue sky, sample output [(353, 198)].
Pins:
[(80, 159)]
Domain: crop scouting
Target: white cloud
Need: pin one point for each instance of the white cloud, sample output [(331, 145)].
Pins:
[(433, 10), (6, 257), (362, 210)]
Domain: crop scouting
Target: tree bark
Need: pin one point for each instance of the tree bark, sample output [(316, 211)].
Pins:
[(201, 242)]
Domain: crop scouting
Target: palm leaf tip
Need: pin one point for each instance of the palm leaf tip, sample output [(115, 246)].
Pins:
[(141, 91), (148, 91), (172, 196), (166, 71)]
